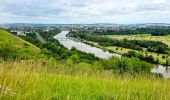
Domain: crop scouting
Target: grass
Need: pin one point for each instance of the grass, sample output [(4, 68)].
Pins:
[(7, 37), (34, 80), (26, 49)]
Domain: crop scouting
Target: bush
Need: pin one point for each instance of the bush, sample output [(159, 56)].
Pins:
[(127, 65), (8, 51)]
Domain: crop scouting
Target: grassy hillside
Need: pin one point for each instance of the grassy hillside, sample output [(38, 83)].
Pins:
[(24, 49), (39, 79), (36, 80)]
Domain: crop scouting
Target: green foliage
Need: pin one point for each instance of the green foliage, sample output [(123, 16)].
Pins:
[(8, 51), (152, 46), (53, 49), (139, 55), (31, 37), (127, 65), (155, 31), (75, 75), (49, 35)]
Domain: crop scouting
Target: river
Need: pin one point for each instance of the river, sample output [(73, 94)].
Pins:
[(69, 43)]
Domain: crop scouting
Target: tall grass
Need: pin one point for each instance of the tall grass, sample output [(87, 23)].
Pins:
[(39, 80)]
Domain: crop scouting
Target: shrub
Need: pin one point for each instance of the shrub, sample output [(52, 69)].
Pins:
[(8, 51)]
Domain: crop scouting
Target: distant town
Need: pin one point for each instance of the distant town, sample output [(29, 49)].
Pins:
[(25, 28)]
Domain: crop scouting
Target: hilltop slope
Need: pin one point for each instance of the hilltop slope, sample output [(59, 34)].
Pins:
[(25, 49)]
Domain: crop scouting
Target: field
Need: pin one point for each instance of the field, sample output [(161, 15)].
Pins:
[(34, 80), (120, 50), (164, 39)]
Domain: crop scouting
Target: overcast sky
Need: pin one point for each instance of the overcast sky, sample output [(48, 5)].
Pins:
[(84, 11)]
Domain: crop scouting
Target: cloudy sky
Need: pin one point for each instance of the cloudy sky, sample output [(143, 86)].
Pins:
[(84, 11)]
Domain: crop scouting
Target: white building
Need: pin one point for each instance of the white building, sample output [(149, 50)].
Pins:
[(21, 33)]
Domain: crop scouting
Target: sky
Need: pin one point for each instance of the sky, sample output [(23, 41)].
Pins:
[(84, 11)]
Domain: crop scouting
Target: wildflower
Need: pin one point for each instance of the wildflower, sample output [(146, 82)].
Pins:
[(7, 90)]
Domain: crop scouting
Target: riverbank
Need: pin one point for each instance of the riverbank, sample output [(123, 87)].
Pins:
[(164, 70)]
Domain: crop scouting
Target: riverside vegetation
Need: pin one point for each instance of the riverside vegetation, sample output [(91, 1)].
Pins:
[(151, 51), (33, 69)]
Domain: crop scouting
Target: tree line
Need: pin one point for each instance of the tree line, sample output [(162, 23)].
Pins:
[(153, 31)]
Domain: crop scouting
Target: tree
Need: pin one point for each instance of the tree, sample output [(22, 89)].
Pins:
[(150, 59), (161, 49)]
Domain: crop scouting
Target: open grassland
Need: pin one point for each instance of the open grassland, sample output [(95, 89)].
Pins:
[(37, 80), (25, 49)]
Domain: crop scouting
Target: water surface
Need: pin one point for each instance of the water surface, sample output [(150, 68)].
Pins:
[(165, 71), (69, 43)]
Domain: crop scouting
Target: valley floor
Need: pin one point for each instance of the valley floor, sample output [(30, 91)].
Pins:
[(120, 50)]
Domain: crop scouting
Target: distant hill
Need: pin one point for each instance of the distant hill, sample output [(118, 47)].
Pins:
[(25, 49)]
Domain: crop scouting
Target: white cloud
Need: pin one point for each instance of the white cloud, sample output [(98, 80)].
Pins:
[(84, 11)]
